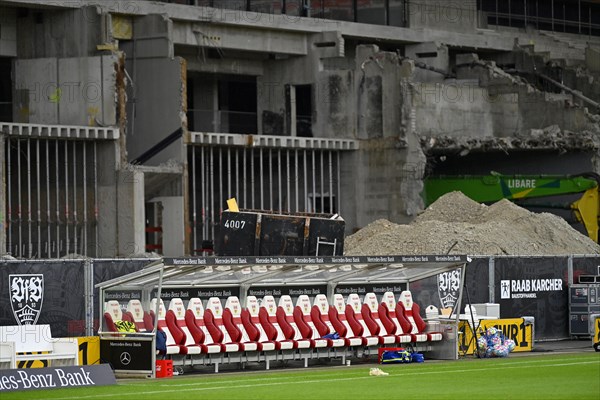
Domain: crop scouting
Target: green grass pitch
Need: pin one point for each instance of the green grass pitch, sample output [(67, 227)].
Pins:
[(535, 376)]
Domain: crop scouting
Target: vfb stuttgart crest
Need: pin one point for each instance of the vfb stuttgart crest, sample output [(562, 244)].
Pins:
[(26, 297), (448, 287)]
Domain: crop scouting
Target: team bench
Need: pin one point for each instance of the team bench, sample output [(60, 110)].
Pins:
[(35, 342)]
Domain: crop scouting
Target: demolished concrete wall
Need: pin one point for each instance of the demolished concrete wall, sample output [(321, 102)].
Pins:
[(59, 33), (67, 91)]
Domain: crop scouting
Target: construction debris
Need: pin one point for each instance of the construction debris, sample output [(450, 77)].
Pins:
[(455, 224)]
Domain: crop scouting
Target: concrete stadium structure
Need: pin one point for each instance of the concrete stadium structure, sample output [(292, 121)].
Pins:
[(126, 125)]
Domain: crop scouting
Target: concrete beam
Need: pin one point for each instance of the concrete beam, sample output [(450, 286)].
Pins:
[(226, 66), (228, 37)]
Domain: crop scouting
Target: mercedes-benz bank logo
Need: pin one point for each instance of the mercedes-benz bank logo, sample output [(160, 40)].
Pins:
[(125, 358)]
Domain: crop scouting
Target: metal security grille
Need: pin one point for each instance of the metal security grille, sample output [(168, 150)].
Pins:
[(51, 197), (279, 179)]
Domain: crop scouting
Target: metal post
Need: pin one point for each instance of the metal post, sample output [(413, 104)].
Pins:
[(296, 176), (270, 180), (48, 220), (29, 220), (304, 167), (75, 197), (314, 183), (85, 204), (244, 164), (204, 177), (212, 193), (19, 201), (279, 178), (288, 200), (88, 279), (57, 195), (220, 182), (67, 238), (322, 180), (96, 238), (491, 281), (229, 172), (339, 180), (9, 195), (237, 175), (39, 199), (330, 183), (194, 213), (260, 163), (252, 187)]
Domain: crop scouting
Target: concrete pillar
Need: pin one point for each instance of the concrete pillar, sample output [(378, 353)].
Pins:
[(131, 224)]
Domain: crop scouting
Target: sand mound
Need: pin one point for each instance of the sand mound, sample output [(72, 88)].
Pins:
[(455, 224)]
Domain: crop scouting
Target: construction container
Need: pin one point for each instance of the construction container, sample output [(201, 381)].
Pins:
[(260, 233)]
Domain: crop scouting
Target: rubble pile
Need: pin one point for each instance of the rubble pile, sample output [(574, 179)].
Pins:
[(455, 224)]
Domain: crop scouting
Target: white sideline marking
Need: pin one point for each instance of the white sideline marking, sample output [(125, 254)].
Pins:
[(399, 375)]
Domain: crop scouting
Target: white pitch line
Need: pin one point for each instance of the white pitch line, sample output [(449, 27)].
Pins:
[(359, 372), (302, 382)]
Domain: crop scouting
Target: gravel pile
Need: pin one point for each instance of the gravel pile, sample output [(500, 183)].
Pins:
[(455, 224)]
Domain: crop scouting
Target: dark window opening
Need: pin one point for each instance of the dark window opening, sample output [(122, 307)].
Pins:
[(304, 110), (5, 90)]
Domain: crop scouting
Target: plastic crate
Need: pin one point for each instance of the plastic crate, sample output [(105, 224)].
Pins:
[(164, 368)]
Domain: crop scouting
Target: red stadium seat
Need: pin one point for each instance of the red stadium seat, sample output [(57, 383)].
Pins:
[(357, 320), (194, 318), (112, 314), (305, 324), (337, 315), (400, 329), (213, 318), (386, 328), (175, 337), (251, 320), (285, 315), (411, 312), (322, 321), (270, 322), (232, 318), (175, 318), (140, 317)]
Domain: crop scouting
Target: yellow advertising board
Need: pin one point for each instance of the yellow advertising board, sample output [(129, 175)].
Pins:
[(89, 353), (513, 328)]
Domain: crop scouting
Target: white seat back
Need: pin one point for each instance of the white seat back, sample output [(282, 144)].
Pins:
[(215, 306), (233, 305), (268, 303), (323, 305), (195, 304), (303, 303), (113, 307), (253, 309), (340, 306), (285, 303), (371, 302), (356, 304), (407, 301)]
